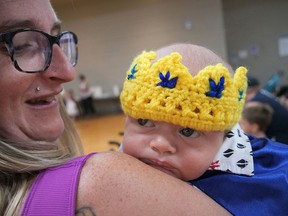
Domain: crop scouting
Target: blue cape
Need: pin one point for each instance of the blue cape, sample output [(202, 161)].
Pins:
[(265, 193)]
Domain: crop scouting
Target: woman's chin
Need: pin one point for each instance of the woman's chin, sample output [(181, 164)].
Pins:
[(51, 133)]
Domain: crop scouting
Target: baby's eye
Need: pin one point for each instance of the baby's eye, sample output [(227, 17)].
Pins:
[(145, 122), (188, 132)]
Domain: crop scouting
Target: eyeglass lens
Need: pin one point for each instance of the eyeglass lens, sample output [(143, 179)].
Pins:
[(33, 50), (68, 45)]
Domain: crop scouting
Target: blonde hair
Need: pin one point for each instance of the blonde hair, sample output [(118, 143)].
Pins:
[(20, 162)]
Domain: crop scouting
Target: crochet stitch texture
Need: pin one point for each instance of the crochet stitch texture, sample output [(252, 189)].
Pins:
[(165, 91)]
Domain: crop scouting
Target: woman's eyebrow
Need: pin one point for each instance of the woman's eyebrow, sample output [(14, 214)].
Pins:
[(56, 28), (11, 25)]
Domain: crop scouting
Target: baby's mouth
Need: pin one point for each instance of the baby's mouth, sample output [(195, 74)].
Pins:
[(162, 166)]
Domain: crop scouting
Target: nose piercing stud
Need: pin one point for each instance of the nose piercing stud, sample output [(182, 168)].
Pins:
[(38, 89)]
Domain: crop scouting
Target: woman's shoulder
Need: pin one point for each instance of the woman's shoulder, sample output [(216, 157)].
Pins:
[(114, 183), (109, 164), (104, 184), (107, 159)]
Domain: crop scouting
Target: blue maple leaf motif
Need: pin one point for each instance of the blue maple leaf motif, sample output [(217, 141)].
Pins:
[(241, 95), (132, 72), (165, 82), (216, 89)]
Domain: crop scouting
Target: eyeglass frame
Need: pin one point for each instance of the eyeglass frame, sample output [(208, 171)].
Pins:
[(7, 38)]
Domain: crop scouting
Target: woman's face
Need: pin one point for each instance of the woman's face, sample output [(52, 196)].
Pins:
[(25, 113)]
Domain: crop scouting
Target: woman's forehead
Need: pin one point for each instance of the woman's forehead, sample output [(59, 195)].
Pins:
[(26, 14)]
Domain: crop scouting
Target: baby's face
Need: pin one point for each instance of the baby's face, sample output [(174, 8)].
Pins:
[(181, 152)]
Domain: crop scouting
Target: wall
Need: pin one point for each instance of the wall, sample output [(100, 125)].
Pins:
[(112, 32), (252, 32)]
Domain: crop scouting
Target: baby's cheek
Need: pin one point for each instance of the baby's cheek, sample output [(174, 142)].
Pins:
[(127, 146)]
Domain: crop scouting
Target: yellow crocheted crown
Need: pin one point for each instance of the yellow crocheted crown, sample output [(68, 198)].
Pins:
[(165, 91)]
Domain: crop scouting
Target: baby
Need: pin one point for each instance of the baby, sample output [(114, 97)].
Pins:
[(180, 107), (183, 106)]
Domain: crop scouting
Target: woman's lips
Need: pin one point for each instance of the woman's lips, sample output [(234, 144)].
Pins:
[(42, 101), (48, 98)]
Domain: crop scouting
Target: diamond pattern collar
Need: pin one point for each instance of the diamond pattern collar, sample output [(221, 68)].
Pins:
[(235, 155)]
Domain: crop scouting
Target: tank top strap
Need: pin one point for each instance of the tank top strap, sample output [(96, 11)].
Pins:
[(54, 190)]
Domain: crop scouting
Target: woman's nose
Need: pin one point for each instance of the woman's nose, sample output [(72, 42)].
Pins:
[(60, 67), (162, 145)]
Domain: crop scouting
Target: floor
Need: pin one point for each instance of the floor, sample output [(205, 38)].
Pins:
[(101, 133)]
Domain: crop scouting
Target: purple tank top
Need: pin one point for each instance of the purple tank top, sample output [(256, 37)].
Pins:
[(54, 190)]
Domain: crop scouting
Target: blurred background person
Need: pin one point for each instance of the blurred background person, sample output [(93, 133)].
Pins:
[(282, 95), (256, 117), (278, 127), (86, 98), (273, 83), (71, 104)]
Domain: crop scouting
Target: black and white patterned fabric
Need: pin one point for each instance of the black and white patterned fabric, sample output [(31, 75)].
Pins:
[(235, 155)]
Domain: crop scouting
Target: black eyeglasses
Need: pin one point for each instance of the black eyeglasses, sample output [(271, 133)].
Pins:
[(31, 50)]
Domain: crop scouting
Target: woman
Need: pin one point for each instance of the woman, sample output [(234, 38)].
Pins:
[(40, 171)]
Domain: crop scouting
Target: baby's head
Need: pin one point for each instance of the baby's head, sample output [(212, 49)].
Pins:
[(186, 85), (189, 88), (194, 57)]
